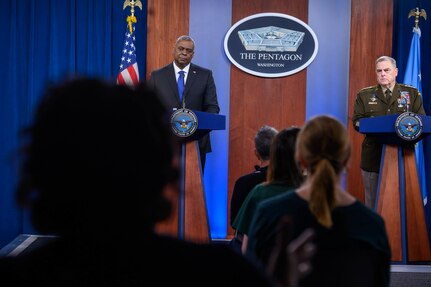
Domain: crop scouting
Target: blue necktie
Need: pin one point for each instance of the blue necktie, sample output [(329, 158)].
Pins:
[(181, 84)]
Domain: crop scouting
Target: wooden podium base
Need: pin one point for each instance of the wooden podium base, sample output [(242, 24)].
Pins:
[(189, 219), (399, 202)]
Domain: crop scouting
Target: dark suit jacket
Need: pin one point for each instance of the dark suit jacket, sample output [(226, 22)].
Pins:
[(243, 186), (199, 92)]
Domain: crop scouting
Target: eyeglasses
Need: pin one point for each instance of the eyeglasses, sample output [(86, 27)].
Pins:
[(181, 49)]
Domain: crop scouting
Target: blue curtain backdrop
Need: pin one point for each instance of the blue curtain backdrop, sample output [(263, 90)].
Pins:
[(45, 41), (403, 33)]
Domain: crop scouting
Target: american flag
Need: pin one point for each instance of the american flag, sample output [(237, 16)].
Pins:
[(129, 73)]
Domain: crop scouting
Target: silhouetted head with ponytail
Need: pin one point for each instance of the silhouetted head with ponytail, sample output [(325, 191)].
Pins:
[(323, 149)]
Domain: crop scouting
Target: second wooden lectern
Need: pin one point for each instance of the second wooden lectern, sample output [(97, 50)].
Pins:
[(399, 199)]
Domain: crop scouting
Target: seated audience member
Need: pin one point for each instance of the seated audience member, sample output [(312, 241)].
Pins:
[(245, 183), (97, 163), (283, 175), (352, 247)]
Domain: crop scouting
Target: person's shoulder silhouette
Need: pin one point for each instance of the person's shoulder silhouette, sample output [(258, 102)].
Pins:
[(97, 161)]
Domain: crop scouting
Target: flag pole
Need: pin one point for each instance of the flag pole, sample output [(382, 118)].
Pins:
[(416, 13), (413, 77), (131, 18), (129, 72)]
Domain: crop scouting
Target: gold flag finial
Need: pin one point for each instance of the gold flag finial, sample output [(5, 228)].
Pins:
[(132, 19), (416, 13)]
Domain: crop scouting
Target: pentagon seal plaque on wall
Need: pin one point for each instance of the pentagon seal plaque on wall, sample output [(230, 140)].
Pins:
[(271, 45)]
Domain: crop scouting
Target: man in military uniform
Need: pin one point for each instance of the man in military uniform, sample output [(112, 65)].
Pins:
[(386, 98)]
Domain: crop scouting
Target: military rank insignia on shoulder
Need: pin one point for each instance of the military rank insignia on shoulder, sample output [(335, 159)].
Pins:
[(370, 88), (408, 86)]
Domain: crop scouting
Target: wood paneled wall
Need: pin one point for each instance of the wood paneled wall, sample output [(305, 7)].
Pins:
[(256, 101), (279, 102), (370, 37), (167, 20)]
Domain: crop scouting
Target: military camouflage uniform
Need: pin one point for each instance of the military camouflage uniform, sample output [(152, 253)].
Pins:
[(371, 102)]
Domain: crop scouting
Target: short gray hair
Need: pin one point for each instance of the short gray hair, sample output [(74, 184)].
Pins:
[(263, 140), (184, 38), (387, 58)]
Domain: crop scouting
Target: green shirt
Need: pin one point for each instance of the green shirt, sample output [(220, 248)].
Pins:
[(258, 194)]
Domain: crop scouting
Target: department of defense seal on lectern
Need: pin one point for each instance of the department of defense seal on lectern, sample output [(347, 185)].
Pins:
[(184, 122), (408, 126)]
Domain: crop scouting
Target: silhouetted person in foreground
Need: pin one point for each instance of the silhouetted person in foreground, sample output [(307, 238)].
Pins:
[(98, 160)]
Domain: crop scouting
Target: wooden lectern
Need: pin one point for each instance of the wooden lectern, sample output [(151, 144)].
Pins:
[(399, 200), (189, 219)]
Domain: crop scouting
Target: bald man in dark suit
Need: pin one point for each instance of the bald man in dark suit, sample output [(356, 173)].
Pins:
[(199, 87)]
